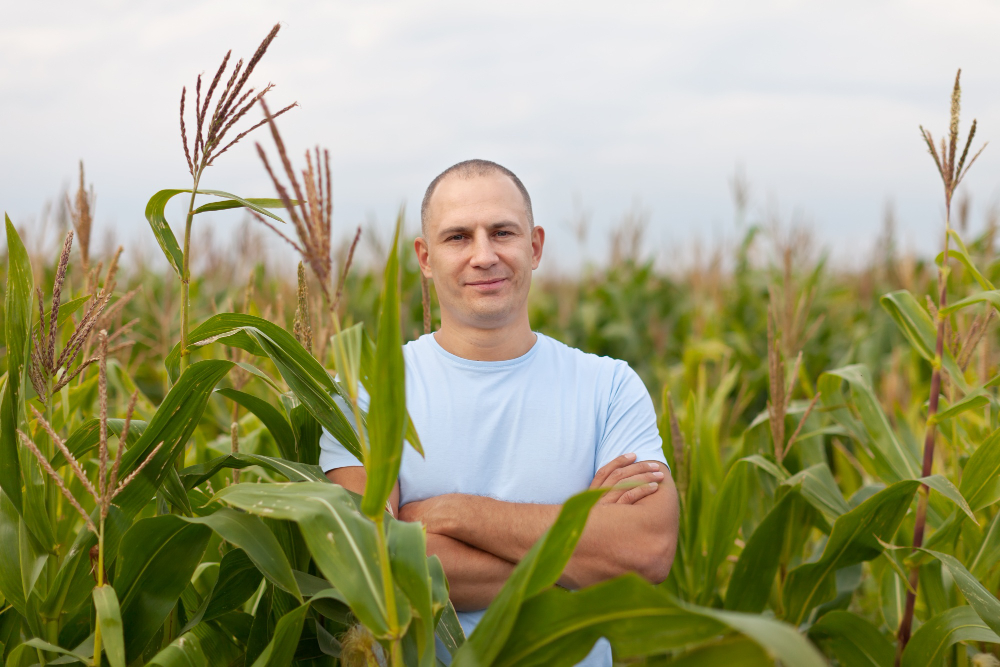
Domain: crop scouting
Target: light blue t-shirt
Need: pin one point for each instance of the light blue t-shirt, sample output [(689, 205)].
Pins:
[(534, 429)]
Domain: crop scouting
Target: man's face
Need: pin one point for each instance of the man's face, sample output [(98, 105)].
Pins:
[(480, 249)]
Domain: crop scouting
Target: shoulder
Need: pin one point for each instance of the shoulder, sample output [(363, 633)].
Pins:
[(604, 371), (418, 348)]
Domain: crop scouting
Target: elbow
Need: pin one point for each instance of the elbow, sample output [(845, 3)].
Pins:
[(656, 558)]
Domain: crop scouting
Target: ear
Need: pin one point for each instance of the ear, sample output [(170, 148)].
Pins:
[(423, 252), (537, 242)]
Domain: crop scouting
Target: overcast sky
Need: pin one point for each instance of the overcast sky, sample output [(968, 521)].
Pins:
[(600, 107)]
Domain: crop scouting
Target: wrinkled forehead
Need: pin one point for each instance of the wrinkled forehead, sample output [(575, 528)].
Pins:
[(473, 200)]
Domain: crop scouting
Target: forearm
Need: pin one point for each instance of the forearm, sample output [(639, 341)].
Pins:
[(474, 576), (617, 538)]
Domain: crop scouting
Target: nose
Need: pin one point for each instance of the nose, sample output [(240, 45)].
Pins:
[(483, 255)]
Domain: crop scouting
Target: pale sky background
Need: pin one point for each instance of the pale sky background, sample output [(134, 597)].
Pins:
[(598, 106)]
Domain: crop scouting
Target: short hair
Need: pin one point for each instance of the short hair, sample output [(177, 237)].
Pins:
[(471, 169)]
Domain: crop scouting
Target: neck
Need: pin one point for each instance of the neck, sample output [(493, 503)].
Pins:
[(477, 344)]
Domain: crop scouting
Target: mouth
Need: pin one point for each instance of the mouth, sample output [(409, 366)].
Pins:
[(486, 285)]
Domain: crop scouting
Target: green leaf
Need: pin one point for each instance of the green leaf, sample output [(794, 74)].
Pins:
[(817, 486), (991, 296), (238, 579), (88, 434), (988, 554), (109, 618), (341, 540), (931, 641), (961, 253), (205, 645), (894, 459), (194, 475), (539, 569), (854, 539), (985, 603), (753, 575), (236, 202), (387, 414), (727, 511), (305, 376), (920, 330), (281, 648), (408, 557), (943, 485), (250, 534), (157, 558), (972, 401), (780, 640), (560, 627), (347, 358), (734, 651), (270, 416), (155, 214), (853, 640), (980, 484), (17, 338), (11, 583)]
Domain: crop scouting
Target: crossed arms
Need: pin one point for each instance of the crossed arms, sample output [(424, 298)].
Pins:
[(479, 540)]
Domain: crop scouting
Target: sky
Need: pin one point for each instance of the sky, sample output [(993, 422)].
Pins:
[(602, 108)]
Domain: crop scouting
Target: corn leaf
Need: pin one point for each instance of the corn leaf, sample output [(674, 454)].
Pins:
[(156, 216), (249, 533), (916, 324), (238, 579), (17, 338), (734, 651), (11, 584), (539, 569), (985, 603), (931, 641), (894, 459), (205, 645), (281, 648), (158, 557), (341, 541), (943, 485), (853, 640), (961, 253), (387, 414), (408, 556), (559, 627), (193, 476), (109, 617), (818, 487), (305, 376), (974, 400), (272, 419), (854, 539), (980, 484), (988, 554), (256, 202), (753, 575)]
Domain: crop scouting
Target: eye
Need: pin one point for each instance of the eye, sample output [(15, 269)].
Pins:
[(503, 232)]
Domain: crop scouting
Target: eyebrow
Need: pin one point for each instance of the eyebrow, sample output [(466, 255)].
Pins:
[(459, 229)]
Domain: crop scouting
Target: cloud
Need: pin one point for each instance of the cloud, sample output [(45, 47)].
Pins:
[(608, 102)]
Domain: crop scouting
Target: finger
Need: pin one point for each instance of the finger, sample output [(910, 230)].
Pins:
[(629, 471), (626, 485), (607, 469), (632, 496)]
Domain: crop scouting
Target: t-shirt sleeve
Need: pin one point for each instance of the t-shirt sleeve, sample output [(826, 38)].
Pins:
[(332, 454), (631, 421)]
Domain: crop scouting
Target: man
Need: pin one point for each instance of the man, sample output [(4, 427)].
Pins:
[(513, 422)]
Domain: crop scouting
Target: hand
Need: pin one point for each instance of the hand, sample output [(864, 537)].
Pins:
[(645, 477)]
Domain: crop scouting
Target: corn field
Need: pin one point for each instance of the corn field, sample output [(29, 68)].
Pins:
[(834, 437)]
